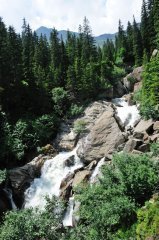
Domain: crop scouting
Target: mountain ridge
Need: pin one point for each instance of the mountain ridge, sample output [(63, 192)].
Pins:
[(63, 34)]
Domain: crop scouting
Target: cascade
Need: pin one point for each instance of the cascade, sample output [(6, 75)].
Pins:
[(55, 170), (129, 115), (52, 174), (68, 218), (96, 173)]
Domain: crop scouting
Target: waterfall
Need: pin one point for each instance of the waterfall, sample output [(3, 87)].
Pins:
[(129, 115), (52, 174), (68, 218), (97, 171)]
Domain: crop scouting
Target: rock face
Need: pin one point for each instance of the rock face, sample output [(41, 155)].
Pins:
[(67, 138), (131, 79), (144, 126), (21, 177), (103, 139), (5, 203)]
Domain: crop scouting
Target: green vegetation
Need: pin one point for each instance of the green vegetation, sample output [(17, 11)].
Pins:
[(29, 224), (108, 210), (148, 220), (80, 126), (2, 175)]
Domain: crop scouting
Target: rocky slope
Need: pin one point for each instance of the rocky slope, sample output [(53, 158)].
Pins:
[(107, 127)]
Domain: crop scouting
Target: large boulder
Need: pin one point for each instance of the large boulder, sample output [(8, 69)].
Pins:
[(144, 126), (131, 145), (103, 139), (119, 90), (132, 78), (67, 137), (80, 177)]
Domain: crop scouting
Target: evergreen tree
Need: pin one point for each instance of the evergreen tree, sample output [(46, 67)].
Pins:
[(156, 21), (137, 44), (145, 29)]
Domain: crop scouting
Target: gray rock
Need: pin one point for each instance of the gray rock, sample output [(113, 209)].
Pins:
[(81, 177), (103, 139), (156, 126), (70, 161), (131, 145), (144, 148), (138, 135), (132, 78), (144, 126)]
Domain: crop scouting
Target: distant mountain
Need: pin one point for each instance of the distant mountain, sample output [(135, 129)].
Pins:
[(63, 33)]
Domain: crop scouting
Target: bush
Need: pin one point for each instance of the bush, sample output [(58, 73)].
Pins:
[(29, 224), (150, 90), (3, 174), (137, 174), (75, 110), (79, 126), (27, 135), (60, 100), (103, 210), (148, 221)]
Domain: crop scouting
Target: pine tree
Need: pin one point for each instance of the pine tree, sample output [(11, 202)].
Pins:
[(156, 21), (137, 44), (145, 29)]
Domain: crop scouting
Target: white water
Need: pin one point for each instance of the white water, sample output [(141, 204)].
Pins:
[(55, 169), (97, 171), (129, 115), (68, 218), (52, 174)]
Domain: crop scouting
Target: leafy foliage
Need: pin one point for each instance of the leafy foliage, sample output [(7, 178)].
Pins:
[(3, 174), (79, 126), (148, 220), (29, 224)]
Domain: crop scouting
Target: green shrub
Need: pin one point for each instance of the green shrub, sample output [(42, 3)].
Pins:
[(154, 148), (79, 126), (150, 90), (75, 110), (137, 174), (2, 175), (148, 221), (29, 224), (60, 100)]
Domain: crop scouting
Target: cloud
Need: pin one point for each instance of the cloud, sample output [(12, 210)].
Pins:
[(68, 14)]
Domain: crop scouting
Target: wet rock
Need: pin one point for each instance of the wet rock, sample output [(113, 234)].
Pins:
[(20, 178), (144, 147), (70, 161), (144, 126), (129, 99), (119, 90), (91, 165), (49, 150), (104, 138), (81, 177)]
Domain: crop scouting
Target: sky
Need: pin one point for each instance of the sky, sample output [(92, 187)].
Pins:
[(103, 15)]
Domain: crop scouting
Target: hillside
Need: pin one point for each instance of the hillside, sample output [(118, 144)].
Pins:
[(63, 33)]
